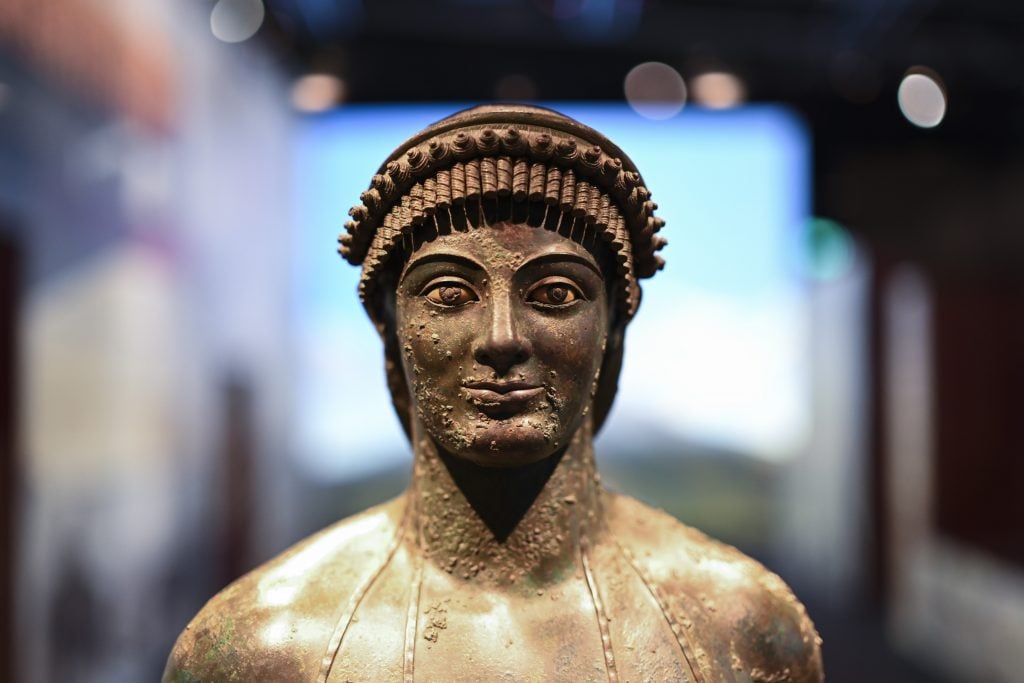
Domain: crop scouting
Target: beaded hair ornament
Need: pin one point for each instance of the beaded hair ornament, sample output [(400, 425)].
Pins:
[(505, 162)]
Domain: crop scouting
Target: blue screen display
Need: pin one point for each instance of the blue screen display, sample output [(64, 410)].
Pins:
[(717, 352)]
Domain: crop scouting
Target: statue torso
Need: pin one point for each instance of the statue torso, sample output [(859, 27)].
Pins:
[(649, 599)]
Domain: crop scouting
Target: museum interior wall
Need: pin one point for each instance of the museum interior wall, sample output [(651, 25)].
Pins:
[(188, 385), (151, 390)]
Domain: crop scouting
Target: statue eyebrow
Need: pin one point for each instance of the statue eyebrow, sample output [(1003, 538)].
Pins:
[(434, 258), (560, 256)]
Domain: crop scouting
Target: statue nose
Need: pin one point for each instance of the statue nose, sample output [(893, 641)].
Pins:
[(503, 347)]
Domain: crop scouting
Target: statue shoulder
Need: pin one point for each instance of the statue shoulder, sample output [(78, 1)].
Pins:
[(274, 623), (742, 616)]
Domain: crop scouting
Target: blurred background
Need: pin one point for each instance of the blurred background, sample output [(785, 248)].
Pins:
[(188, 384)]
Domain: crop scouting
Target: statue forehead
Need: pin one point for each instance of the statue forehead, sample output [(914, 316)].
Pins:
[(501, 248)]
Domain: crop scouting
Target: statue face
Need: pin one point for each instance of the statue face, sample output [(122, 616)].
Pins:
[(502, 331)]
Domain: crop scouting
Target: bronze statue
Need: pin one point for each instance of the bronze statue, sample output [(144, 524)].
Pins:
[(501, 250)]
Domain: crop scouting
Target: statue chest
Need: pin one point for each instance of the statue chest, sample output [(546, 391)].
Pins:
[(415, 622)]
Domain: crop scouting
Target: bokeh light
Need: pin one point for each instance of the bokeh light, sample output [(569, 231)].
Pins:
[(655, 90), (922, 98), (831, 251), (234, 21), (317, 92), (718, 90)]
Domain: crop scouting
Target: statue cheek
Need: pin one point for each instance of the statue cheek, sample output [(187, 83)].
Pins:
[(432, 340), (574, 345)]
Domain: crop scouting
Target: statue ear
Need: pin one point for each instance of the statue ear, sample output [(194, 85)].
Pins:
[(608, 383), (397, 384), (382, 312)]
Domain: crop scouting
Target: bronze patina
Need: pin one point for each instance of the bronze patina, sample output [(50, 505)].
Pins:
[(501, 251)]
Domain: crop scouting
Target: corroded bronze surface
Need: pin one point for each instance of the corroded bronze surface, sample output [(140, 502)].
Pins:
[(505, 559)]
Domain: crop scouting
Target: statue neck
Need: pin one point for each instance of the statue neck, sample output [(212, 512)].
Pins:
[(499, 526)]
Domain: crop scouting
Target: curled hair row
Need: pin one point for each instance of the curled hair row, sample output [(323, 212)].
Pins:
[(447, 179)]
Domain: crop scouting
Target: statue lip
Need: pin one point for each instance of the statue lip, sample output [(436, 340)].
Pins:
[(502, 393)]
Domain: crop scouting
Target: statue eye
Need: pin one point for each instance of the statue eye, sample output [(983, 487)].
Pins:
[(450, 293), (554, 293)]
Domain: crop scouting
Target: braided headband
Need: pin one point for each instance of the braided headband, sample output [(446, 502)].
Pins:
[(445, 176)]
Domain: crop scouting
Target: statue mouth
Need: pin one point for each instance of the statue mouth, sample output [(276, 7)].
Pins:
[(503, 396)]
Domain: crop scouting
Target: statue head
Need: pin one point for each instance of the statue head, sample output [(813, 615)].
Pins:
[(501, 249)]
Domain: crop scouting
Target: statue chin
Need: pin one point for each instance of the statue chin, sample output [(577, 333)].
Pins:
[(506, 446), (514, 441)]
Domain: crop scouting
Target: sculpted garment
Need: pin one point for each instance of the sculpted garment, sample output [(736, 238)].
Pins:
[(646, 599)]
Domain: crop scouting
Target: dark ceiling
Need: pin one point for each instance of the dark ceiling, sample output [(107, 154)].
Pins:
[(837, 62), (416, 49), (830, 59)]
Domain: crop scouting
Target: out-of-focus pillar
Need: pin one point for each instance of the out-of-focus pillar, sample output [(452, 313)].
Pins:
[(10, 273), (236, 492)]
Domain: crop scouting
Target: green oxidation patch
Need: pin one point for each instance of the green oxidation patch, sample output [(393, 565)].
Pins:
[(216, 657), (776, 643), (219, 647), (556, 574), (182, 676)]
